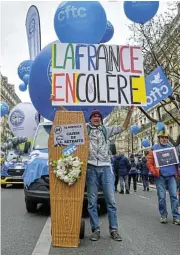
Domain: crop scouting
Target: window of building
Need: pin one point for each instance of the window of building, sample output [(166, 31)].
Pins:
[(144, 120)]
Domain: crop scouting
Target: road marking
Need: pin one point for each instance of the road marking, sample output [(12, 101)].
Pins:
[(43, 244), (142, 196)]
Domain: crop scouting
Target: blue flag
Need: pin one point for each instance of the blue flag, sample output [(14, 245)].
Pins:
[(158, 88), (33, 31), (37, 166)]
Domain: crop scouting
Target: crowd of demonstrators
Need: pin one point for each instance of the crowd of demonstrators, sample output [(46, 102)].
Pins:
[(126, 170), (165, 177)]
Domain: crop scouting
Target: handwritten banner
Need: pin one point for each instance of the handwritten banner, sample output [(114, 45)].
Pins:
[(97, 75)]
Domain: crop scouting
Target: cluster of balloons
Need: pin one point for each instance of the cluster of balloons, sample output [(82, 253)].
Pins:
[(13, 142), (24, 70), (79, 22), (4, 109), (140, 11)]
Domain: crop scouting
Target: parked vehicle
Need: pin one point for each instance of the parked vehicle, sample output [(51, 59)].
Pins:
[(13, 168)]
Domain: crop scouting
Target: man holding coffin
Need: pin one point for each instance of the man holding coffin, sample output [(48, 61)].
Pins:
[(100, 173), (165, 175)]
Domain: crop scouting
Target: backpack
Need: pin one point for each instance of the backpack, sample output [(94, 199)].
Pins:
[(104, 130), (133, 166)]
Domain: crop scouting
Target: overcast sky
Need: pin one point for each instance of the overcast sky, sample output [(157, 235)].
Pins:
[(14, 47)]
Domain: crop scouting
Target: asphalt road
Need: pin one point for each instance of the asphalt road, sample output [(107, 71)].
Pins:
[(19, 230), (138, 224)]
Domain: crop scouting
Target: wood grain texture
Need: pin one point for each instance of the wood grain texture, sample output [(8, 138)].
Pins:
[(67, 201)]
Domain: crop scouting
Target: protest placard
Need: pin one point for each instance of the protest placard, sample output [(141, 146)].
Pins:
[(68, 134), (166, 157), (97, 75)]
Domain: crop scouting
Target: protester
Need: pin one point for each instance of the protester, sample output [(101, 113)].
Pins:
[(144, 171), (116, 176), (99, 172), (164, 176), (122, 167), (133, 172)]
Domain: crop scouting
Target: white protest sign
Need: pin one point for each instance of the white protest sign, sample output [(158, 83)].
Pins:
[(68, 134), (97, 74)]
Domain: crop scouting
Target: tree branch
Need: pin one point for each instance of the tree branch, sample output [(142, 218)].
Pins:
[(147, 115), (170, 114)]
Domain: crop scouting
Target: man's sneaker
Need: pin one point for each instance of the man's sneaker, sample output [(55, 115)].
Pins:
[(115, 235), (121, 192), (163, 220), (127, 191), (95, 235), (147, 189), (176, 221)]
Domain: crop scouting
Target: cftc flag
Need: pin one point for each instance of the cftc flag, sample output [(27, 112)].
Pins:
[(33, 31)]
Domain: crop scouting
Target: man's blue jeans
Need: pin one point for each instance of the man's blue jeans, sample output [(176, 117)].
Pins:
[(104, 177), (161, 183)]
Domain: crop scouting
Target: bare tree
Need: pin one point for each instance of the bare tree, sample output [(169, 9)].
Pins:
[(160, 42)]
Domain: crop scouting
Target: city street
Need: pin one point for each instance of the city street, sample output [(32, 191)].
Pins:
[(29, 234)]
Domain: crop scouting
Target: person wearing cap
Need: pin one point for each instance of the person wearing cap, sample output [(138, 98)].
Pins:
[(165, 175), (100, 173)]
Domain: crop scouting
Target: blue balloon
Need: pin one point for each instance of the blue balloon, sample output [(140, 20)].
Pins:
[(80, 22), (24, 68), (26, 79), (4, 109), (145, 143), (109, 33), (40, 89), (22, 87), (140, 11), (160, 127), (135, 129)]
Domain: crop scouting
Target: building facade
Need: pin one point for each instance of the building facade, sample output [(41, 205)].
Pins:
[(9, 96)]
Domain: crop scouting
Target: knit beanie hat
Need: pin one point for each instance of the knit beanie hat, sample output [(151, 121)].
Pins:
[(96, 112)]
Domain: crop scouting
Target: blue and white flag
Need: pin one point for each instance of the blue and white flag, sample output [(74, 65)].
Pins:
[(158, 88), (33, 31), (37, 166)]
